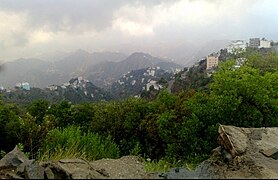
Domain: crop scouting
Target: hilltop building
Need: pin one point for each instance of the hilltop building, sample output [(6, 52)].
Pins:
[(212, 60), (2, 88), (237, 45), (254, 42), (154, 84), (23, 86), (257, 43), (265, 43)]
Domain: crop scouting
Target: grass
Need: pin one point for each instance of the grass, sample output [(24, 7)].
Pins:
[(70, 142), (163, 165)]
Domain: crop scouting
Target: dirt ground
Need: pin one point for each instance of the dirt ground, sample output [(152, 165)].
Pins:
[(127, 167)]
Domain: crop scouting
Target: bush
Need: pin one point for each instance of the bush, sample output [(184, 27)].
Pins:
[(70, 142)]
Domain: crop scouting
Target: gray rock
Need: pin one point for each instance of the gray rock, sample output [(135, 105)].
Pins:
[(11, 175), (13, 159), (233, 139), (33, 170), (48, 173), (273, 152), (70, 169), (58, 171)]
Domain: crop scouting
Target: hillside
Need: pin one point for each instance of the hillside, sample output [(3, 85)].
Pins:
[(104, 74), (77, 90), (137, 81)]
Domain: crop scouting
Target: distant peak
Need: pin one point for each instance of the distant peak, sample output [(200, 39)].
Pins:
[(80, 51), (140, 54)]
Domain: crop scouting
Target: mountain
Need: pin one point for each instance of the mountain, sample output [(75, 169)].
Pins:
[(184, 52), (79, 90), (101, 68), (77, 63), (104, 74), (52, 56), (41, 73), (137, 81)]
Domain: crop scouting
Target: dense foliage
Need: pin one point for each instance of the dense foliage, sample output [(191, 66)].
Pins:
[(180, 126)]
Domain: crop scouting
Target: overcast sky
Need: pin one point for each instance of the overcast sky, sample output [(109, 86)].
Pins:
[(32, 27)]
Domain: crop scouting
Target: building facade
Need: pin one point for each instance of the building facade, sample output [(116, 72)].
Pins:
[(237, 45), (212, 60), (24, 86), (265, 43), (254, 42)]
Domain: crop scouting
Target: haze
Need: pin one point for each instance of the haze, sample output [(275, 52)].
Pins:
[(32, 27)]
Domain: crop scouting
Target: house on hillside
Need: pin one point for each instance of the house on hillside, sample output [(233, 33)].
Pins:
[(265, 43), (2, 88), (237, 45), (254, 42), (154, 84), (23, 86), (212, 60), (52, 87)]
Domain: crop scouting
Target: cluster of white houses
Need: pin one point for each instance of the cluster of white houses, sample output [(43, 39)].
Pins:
[(21, 85), (239, 46)]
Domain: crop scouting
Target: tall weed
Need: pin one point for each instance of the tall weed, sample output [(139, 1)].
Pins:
[(70, 142)]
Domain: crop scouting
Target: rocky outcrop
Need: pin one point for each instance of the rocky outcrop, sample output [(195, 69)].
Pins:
[(15, 165), (243, 153)]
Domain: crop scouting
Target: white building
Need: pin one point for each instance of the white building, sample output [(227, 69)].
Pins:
[(152, 83), (24, 86), (52, 87), (265, 43), (237, 45)]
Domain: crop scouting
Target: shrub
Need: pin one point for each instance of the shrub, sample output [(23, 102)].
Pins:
[(70, 142)]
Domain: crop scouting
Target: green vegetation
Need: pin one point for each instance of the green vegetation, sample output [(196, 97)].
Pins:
[(70, 142), (177, 129)]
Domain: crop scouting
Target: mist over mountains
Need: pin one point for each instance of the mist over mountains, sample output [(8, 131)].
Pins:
[(100, 68)]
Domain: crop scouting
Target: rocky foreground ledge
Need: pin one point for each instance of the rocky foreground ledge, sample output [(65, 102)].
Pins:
[(242, 153)]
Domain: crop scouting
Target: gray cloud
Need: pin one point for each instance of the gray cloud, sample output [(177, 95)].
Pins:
[(58, 14), (102, 24), (67, 15), (20, 39)]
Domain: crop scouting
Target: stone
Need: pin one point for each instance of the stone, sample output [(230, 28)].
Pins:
[(13, 159), (48, 173), (10, 175), (233, 139), (33, 170), (273, 152), (57, 171), (71, 169)]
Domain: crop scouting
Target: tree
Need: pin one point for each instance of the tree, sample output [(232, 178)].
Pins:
[(9, 123), (38, 109), (250, 93)]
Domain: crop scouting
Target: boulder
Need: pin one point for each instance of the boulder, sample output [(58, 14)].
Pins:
[(70, 169), (243, 153), (33, 170), (13, 159), (15, 165), (233, 139)]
